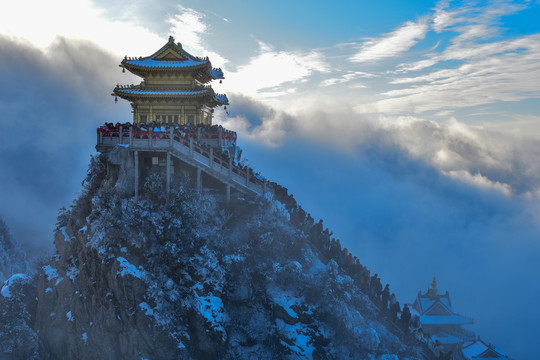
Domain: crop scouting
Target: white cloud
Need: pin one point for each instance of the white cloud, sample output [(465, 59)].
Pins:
[(442, 19), (392, 44), (480, 181), (482, 157), (473, 19), (472, 25), (79, 19), (189, 27), (271, 69), (497, 71), (348, 77), (83, 20)]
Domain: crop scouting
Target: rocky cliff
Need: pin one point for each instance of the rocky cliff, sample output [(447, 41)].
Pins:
[(181, 275)]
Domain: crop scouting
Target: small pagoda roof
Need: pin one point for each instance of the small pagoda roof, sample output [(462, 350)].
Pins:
[(134, 92), (172, 57), (481, 350), (425, 302), (436, 309)]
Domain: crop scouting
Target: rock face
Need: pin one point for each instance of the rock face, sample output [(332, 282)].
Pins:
[(88, 305), (180, 276), (17, 302), (17, 312), (12, 258)]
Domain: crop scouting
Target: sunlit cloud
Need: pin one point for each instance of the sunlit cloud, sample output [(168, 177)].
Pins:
[(482, 158), (42, 25), (274, 68), (348, 77), (189, 27), (480, 181), (473, 26), (392, 44), (504, 71)]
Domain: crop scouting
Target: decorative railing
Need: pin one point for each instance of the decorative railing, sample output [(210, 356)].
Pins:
[(186, 145), (226, 137)]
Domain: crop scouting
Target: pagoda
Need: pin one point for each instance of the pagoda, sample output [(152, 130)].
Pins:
[(446, 336), (439, 321), (174, 89)]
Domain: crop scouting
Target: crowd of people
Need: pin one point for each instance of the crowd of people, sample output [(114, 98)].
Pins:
[(371, 285), (203, 131), (183, 133), (321, 237)]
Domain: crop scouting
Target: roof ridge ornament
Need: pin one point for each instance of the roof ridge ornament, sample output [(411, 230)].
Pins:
[(433, 290)]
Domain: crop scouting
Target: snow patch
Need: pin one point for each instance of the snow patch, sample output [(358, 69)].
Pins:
[(147, 309), (299, 342), (126, 268), (69, 316), (85, 337), (50, 272), (286, 301), (48, 290), (83, 230), (230, 259), (17, 278), (211, 307), (388, 357), (63, 231)]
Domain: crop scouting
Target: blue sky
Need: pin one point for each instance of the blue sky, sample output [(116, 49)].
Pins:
[(411, 128)]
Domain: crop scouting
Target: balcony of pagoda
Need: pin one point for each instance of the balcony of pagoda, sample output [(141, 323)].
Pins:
[(197, 148)]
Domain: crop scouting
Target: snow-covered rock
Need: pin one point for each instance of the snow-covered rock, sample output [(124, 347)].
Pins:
[(12, 257), (183, 276)]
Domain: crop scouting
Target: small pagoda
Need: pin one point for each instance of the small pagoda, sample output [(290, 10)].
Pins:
[(174, 89), (439, 320)]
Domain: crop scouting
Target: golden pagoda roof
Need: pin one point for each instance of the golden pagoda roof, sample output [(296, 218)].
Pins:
[(172, 57), (135, 92)]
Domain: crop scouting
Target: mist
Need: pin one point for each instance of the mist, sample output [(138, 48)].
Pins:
[(379, 188), (51, 104), (410, 197)]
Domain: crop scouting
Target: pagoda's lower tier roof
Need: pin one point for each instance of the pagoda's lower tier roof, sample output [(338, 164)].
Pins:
[(132, 93)]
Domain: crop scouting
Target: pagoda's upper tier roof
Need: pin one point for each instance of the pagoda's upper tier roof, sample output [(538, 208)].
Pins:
[(172, 57)]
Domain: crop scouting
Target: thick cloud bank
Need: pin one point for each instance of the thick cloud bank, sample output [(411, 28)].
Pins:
[(414, 198), (477, 156), (50, 103), (411, 197)]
